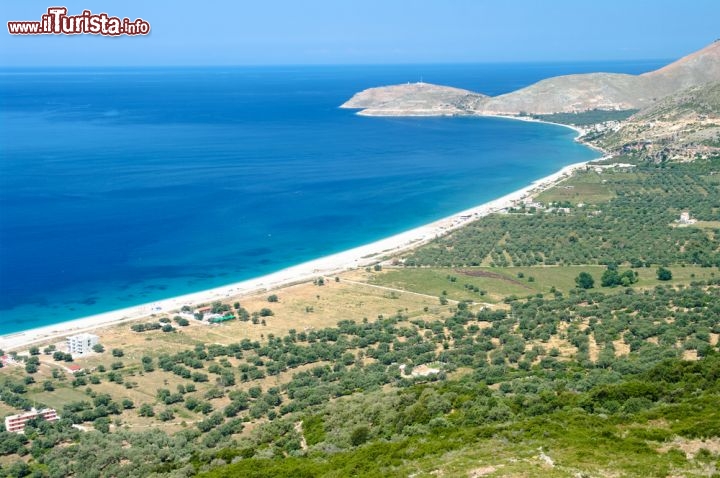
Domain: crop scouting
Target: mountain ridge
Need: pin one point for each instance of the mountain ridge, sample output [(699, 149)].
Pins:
[(560, 94)]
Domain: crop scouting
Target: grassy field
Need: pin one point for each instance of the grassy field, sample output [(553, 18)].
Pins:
[(59, 397), (495, 282), (706, 225), (588, 188), (521, 281), (301, 307)]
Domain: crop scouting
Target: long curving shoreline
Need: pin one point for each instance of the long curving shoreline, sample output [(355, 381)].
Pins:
[(350, 259)]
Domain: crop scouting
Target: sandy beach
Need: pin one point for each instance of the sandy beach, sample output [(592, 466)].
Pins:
[(329, 265)]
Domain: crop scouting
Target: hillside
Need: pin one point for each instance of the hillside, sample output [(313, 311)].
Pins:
[(606, 91), (681, 126), (702, 66), (562, 94), (609, 91)]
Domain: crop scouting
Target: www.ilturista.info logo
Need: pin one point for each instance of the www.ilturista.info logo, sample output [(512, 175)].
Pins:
[(58, 22)]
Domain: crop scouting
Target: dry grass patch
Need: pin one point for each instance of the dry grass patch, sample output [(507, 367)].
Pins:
[(301, 307), (593, 348), (566, 348), (692, 447), (621, 348)]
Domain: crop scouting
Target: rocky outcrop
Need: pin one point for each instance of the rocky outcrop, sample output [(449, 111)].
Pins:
[(414, 99)]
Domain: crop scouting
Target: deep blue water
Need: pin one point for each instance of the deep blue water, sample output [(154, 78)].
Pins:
[(124, 186)]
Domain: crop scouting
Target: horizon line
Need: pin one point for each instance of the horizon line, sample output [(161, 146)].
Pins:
[(378, 64)]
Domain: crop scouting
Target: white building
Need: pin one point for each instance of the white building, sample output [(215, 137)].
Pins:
[(82, 343), (685, 218), (16, 423)]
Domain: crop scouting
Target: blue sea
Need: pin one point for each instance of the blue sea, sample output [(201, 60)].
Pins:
[(124, 186)]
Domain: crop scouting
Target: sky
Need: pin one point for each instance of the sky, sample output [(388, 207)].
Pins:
[(276, 32)]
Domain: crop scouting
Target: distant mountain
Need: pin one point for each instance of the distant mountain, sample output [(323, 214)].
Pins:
[(609, 91), (561, 94)]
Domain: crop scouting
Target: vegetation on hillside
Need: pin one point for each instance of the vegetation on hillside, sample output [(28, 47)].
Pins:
[(544, 365), (684, 125), (556, 375)]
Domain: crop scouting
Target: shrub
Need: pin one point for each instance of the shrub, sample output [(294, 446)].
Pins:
[(359, 435), (585, 281), (664, 274)]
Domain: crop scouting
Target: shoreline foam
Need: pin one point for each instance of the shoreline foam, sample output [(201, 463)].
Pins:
[(361, 256)]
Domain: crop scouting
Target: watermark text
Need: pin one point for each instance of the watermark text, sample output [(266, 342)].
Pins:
[(57, 22)]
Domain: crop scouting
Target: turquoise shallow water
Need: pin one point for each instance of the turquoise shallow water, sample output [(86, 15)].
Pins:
[(119, 187)]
